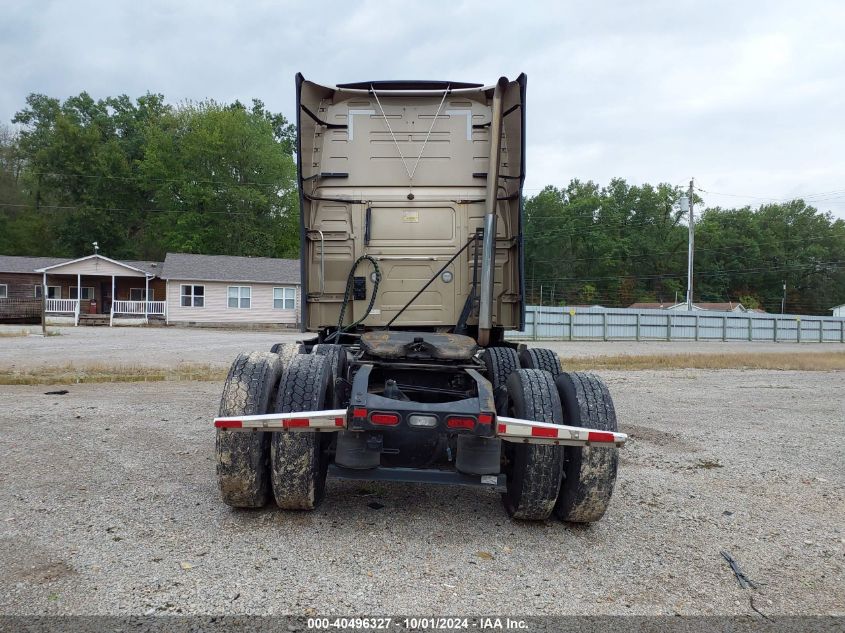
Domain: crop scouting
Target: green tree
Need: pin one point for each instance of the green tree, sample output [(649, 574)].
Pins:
[(742, 252), (82, 158), (142, 177), (223, 180), (625, 242), (621, 243)]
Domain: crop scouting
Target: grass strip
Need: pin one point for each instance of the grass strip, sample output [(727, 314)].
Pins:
[(71, 374), (785, 361)]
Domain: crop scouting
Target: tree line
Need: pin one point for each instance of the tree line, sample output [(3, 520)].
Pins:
[(143, 177), (621, 244)]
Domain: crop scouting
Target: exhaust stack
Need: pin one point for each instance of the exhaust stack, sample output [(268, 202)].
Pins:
[(488, 253)]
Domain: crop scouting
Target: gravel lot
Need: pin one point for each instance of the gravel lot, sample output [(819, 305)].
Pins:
[(170, 346), (154, 346), (108, 504)]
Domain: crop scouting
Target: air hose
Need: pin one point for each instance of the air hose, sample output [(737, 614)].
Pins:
[(347, 295)]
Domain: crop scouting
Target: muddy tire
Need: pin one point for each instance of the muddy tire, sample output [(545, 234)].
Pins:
[(287, 351), (336, 358), (243, 472), (298, 461), (589, 471), (540, 358), (500, 362), (534, 471)]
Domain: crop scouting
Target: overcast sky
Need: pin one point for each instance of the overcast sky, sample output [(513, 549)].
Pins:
[(747, 97)]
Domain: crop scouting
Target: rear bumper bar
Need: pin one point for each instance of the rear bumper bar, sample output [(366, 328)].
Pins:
[(507, 429), (418, 475)]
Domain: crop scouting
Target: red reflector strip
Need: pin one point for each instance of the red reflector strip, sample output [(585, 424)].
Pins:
[(339, 421), (460, 423), (295, 423), (359, 413), (539, 431), (600, 436), (502, 429), (228, 424), (485, 418), (384, 419)]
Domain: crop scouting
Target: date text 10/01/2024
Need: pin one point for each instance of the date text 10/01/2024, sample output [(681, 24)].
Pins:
[(438, 623)]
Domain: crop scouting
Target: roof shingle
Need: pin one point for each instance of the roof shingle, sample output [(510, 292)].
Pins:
[(230, 268), (22, 264), (184, 266)]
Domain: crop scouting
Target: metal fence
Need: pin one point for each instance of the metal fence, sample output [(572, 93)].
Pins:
[(624, 324), (18, 310)]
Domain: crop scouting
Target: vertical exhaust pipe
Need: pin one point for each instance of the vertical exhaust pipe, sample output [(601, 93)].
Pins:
[(488, 253)]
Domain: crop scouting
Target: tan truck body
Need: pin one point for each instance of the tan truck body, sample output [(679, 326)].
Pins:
[(398, 171)]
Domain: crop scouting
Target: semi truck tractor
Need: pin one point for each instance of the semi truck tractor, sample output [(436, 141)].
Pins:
[(412, 264)]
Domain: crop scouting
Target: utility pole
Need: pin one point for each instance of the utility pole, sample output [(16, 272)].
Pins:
[(686, 205), (44, 306), (783, 299)]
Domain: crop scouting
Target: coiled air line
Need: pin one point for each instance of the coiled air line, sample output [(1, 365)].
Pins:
[(347, 295)]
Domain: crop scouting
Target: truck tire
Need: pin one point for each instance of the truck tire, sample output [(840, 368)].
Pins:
[(500, 362), (534, 471), (243, 473), (298, 461), (336, 358), (589, 471), (287, 351), (540, 358)]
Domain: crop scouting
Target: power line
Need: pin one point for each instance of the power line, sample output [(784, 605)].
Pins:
[(836, 194), (139, 209), (834, 264), (698, 250), (601, 225), (157, 180)]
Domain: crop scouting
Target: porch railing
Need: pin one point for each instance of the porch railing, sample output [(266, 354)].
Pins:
[(64, 306), (154, 308), (157, 308)]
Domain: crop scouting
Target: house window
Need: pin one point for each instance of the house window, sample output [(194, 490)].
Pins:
[(4, 291), (53, 292), (87, 292), (284, 298), (137, 294), (240, 296), (193, 296)]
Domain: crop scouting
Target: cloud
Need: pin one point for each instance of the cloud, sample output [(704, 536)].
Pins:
[(748, 101)]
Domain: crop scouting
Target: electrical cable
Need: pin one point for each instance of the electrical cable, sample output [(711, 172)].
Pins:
[(347, 295)]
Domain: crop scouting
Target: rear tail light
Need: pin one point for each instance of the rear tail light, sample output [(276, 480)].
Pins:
[(485, 418), (424, 421), (359, 413), (600, 436), (384, 419), (229, 424), (460, 423)]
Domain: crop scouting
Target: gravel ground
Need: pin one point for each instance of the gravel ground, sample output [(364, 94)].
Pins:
[(170, 346), (153, 346), (108, 505)]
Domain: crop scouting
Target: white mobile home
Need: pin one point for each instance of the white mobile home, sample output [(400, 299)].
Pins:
[(221, 290)]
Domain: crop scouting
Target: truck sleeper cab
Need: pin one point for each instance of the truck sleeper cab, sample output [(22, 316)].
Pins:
[(412, 270)]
